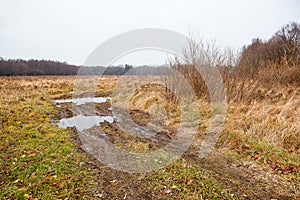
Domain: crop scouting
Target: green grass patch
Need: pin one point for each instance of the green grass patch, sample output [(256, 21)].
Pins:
[(183, 180), (37, 159)]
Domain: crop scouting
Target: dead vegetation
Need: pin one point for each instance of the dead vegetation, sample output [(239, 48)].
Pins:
[(258, 148)]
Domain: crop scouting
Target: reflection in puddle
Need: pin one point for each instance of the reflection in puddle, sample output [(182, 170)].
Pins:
[(84, 122), (80, 101)]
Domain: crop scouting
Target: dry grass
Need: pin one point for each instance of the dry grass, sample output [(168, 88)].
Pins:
[(267, 126), (38, 160), (274, 118)]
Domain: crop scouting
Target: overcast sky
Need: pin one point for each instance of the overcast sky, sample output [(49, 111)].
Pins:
[(69, 30)]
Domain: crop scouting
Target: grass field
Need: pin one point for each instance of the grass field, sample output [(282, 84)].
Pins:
[(257, 155)]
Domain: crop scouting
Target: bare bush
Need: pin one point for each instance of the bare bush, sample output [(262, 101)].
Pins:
[(260, 64)]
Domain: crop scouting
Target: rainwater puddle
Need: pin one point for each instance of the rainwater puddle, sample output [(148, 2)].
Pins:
[(81, 122), (80, 101)]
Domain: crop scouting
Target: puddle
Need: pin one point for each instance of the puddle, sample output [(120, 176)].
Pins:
[(80, 101), (85, 121), (81, 122)]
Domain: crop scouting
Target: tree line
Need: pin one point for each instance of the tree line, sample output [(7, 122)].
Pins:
[(282, 51), (32, 67)]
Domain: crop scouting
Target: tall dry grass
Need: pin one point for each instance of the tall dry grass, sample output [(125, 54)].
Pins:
[(263, 103)]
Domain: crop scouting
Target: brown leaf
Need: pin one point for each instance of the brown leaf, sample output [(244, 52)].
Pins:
[(286, 169), (256, 156), (191, 182), (5, 158), (32, 175)]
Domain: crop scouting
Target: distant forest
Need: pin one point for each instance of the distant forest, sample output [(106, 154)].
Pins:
[(46, 67)]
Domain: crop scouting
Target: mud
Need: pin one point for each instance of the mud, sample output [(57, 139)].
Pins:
[(243, 179)]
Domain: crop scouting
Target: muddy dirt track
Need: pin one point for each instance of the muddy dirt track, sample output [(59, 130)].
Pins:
[(242, 178)]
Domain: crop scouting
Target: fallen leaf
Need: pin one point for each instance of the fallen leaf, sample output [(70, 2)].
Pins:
[(190, 182), (168, 191), (113, 181), (5, 158), (273, 164), (256, 155), (27, 196), (174, 186), (98, 195), (286, 169), (31, 155)]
